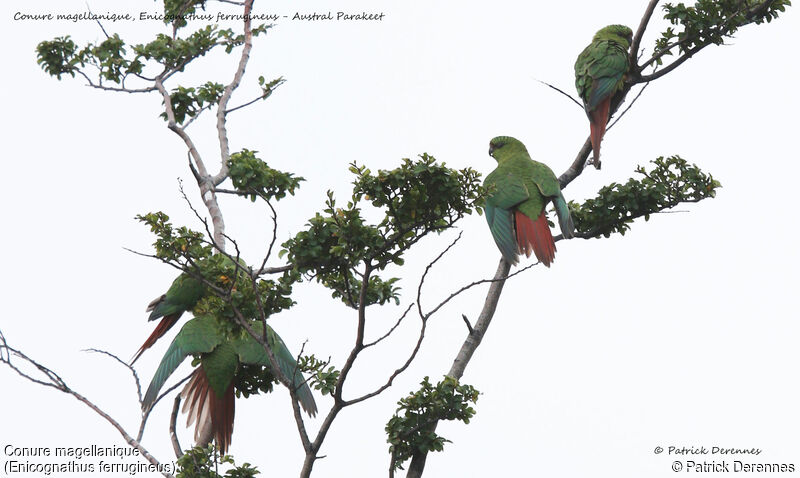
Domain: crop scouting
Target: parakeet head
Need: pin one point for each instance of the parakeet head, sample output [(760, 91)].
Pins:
[(501, 146), (616, 33)]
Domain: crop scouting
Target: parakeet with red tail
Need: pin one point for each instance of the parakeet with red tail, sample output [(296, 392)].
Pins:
[(519, 190), (599, 74)]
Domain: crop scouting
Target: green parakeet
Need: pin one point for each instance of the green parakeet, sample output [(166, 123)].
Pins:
[(599, 74), (184, 293), (520, 188), (222, 352)]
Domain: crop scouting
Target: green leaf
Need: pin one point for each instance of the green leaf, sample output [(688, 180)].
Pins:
[(409, 430), (253, 177), (671, 181)]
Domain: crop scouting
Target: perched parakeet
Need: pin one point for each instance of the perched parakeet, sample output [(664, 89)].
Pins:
[(222, 352), (184, 293), (599, 74), (520, 188)]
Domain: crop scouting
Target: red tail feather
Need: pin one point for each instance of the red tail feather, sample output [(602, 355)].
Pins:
[(535, 236), (202, 403), (166, 323), (598, 119), (222, 412)]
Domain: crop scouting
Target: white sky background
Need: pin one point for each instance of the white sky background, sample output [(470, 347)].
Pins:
[(681, 333)]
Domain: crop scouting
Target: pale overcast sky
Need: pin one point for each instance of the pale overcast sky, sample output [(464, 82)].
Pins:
[(681, 333)]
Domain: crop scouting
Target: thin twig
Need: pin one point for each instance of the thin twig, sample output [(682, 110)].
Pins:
[(562, 92), (58, 383), (469, 326), (274, 218), (170, 389), (629, 107), (637, 37), (126, 365), (197, 114), (479, 282), (89, 9), (263, 96), (387, 334), (425, 274)]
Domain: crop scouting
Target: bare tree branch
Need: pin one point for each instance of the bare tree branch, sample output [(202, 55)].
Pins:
[(576, 168), (637, 37), (274, 217), (673, 65), (173, 436), (117, 89), (424, 320), (226, 96), (629, 107), (56, 382), (359, 343), (471, 343), (231, 2), (392, 329), (263, 96), (126, 365), (206, 187)]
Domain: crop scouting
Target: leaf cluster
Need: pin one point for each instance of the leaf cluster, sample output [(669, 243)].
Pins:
[(415, 199), (409, 430), (200, 462), (253, 380), (252, 177), (267, 87), (176, 53), (233, 286), (176, 11), (188, 102), (418, 197), (670, 182), (61, 56), (172, 53), (57, 57), (323, 375), (379, 291), (173, 244), (710, 22)]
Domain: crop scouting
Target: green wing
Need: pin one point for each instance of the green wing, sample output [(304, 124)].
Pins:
[(599, 72), (252, 352), (199, 335), (547, 183), (508, 190), (543, 177)]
